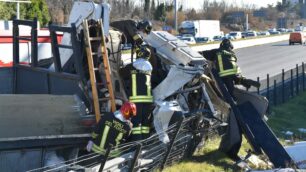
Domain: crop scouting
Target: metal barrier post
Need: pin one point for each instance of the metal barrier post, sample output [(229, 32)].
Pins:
[(55, 50), (297, 79), (34, 45), (268, 87), (77, 54), (105, 158), (274, 94), (268, 93), (179, 124), (291, 82), (258, 87), (15, 43), (283, 85), (15, 54), (303, 76), (136, 156)]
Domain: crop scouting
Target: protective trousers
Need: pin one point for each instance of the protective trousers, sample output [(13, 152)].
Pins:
[(229, 82), (142, 121)]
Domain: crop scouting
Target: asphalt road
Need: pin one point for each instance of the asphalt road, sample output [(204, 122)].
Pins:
[(269, 58)]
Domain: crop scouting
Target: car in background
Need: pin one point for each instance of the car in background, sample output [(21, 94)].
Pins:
[(282, 30), (251, 34), (300, 29), (203, 40), (188, 40), (296, 37), (290, 30), (264, 33), (236, 35), (272, 30), (227, 36), (244, 34), (217, 38), (275, 33)]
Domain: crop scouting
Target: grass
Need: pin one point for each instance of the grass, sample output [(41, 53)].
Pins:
[(286, 117), (289, 117), (209, 159)]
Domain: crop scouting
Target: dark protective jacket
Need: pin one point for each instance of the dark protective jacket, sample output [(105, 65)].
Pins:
[(140, 91), (110, 131), (129, 29), (225, 61)]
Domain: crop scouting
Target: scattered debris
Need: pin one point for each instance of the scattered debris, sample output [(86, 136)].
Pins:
[(257, 163)]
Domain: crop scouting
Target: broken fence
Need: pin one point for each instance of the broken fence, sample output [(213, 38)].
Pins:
[(149, 155)]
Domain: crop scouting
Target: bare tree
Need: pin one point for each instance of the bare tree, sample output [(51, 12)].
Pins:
[(192, 15), (122, 9)]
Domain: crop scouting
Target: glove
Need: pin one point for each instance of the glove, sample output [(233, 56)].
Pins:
[(89, 145), (248, 83)]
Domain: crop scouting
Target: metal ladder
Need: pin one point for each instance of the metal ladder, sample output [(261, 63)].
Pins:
[(92, 58)]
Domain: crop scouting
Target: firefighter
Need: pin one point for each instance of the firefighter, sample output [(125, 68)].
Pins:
[(112, 129), (140, 93), (225, 62), (133, 31), (137, 75)]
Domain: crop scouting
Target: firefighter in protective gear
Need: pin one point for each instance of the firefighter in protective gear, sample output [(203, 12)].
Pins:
[(140, 93), (133, 31), (225, 62), (112, 129)]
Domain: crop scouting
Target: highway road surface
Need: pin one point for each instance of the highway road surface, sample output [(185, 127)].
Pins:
[(269, 58)]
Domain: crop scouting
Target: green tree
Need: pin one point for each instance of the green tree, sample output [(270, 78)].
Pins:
[(39, 9), (7, 10), (146, 6), (152, 10), (180, 8), (160, 12), (282, 7), (192, 14)]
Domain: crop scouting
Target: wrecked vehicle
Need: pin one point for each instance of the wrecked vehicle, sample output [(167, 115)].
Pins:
[(58, 109)]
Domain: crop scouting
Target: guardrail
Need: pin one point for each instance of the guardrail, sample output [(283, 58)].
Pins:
[(242, 43)]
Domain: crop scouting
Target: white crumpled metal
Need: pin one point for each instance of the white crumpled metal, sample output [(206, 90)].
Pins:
[(162, 116)]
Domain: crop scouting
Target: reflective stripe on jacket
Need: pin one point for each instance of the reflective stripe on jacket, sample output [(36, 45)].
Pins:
[(110, 131), (141, 87), (141, 130), (227, 63)]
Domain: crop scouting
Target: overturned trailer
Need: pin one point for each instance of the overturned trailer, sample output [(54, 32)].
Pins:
[(35, 124), (191, 104), (46, 110)]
